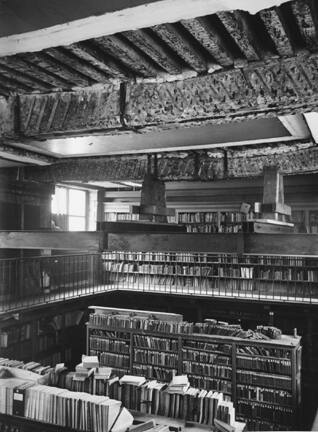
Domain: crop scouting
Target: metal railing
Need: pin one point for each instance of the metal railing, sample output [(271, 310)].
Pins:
[(33, 281)]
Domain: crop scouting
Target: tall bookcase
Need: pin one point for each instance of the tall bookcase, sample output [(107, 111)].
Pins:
[(262, 377)]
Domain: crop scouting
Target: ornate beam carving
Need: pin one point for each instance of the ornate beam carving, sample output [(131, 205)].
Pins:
[(278, 87), (299, 158)]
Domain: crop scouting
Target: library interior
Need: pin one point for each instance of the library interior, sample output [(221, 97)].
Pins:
[(158, 215)]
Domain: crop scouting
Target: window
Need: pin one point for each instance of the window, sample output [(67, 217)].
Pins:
[(69, 209)]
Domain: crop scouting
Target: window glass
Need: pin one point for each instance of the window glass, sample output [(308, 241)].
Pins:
[(77, 202), (76, 223), (59, 201)]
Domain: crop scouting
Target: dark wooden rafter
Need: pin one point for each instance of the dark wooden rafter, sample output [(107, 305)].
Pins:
[(179, 43), (305, 13), (24, 78), (65, 74), (158, 53), (77, 64), (12, 84), (128, 55), (210, 39), (92, 54), (278, 31), (24, 66), (237, 25)]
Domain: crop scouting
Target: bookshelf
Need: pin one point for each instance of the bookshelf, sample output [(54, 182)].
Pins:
[(263, 276), (44, 337), (261, 376)]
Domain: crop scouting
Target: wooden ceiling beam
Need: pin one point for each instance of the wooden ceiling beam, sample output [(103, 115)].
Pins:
[(58, 69), (279, 87), (146, 43), (24, 156), (236, 23), (77, 65), (178, 42), (210, 39), (23, 66), (296, 158), (12, 84), (128, 55), (305, 13), (24, 78), (93, 55), (278, 31)]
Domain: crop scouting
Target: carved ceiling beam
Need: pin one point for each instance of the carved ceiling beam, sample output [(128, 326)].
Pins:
[(278, 87), (297, 158)]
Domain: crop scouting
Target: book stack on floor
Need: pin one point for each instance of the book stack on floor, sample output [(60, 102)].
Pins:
[(24, 394), (34, 367), (149, 426)]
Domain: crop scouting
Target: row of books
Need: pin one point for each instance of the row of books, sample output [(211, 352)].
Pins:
[(201, 406), (272, 365), (253, 350), (116, 335), (278, 415), (110, 359), (110, 345), (209, 327), (213, 258), (276, 273), (156, 358), (205, 369), (155, 343), (261, 379), (196, 345), (208, 228), (198, 217), (150, 371), (264, 395), (205, 357), (210, 383)]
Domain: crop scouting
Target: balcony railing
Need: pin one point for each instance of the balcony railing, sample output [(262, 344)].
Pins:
[(39, 280), (35, 281)]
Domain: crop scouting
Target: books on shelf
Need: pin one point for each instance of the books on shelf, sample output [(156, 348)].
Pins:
[(259, 367)]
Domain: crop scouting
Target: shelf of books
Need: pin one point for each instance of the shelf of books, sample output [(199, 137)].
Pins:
[(44, 338), (212, 221), (268, 277), (258, 370)]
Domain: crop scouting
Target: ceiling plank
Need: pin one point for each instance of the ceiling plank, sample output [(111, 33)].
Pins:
[(209, 38), (179, 43), (92, 54), (154, 50), (13, 85), (278, 31), (149, 13)]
